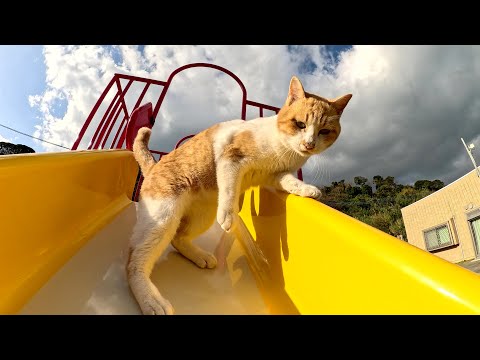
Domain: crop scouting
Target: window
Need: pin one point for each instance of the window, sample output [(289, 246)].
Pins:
[(475, 227), (438, 238)]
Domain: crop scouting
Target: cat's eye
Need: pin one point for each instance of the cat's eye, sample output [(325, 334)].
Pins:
[(300, 124), (324, 132)]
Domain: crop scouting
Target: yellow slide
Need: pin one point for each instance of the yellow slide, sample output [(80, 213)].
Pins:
[(66, 219)]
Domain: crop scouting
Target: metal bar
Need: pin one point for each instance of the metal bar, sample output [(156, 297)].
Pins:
[(159, 102), (107, 123), (102, 121), (212, 66), (124, 106), (137, 78), (138, 186), (144, 91), (110, 129), (101, 127), (244, 105), (183, 139), (124, 121), (471, 157), (300, 174), (265, 106), (124, 132), (92, 113), (125, 110)]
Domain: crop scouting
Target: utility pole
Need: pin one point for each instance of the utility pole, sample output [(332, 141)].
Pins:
[(469, 149)]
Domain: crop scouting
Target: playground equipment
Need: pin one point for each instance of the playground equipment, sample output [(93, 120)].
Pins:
[(67, 217)]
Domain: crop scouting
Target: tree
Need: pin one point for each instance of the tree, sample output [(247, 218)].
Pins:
[(377, 181), (9, 148), (389, 180), (406, 196), (367, 190), (360, 180), (421, 184), (381, 221), (380, 208), (436, 185), (353, 191)]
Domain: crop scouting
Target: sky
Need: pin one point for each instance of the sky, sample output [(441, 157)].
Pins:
[(410, 106)]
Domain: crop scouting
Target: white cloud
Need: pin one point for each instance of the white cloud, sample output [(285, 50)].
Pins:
[(410, 107)]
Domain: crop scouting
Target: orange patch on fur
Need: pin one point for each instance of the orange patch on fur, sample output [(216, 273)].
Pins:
[(183, 227), (189, 167), (182, 231), (305, 110), (242, 146)]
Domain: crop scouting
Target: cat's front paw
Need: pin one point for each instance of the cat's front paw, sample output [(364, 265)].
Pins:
[(156, 305), (226, 219), (310, 191)]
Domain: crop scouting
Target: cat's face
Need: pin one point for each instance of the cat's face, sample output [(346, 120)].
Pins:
[(308, 123)]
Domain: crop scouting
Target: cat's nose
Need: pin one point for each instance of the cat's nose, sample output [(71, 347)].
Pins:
[(309, 145)]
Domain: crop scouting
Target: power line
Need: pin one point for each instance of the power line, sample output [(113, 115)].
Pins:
[(9, 128)]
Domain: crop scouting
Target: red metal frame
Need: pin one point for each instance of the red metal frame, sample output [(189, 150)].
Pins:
[(143, 115)]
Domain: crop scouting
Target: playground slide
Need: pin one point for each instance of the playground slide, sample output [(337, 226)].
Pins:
[(66, 219)]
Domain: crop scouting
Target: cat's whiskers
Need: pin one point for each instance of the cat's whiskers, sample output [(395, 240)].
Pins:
[(325, 173), (291, 155), (315, 160), (283, 155)]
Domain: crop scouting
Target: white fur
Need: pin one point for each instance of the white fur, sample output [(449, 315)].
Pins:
[(310, 136), (157, 222), (291, 184)]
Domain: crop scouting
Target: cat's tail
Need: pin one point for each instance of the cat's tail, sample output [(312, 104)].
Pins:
[(140, 150)]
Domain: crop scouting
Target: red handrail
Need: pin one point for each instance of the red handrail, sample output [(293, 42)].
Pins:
[(117, 104), (212, 66)]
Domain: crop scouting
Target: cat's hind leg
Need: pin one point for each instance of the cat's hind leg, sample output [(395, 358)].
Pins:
[(195, 222), (157, 222)]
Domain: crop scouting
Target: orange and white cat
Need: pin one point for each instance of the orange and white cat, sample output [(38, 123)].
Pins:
[(183, 193)]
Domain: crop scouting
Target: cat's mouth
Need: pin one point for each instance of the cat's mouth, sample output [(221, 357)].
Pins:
[(306, 149), (307, 152)]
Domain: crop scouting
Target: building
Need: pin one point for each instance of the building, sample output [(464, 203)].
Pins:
[(447, 222)]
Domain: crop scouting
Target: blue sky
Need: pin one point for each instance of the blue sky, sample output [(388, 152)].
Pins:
[(410, 105), (22, 73)]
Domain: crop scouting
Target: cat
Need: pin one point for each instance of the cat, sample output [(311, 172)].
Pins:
[(203, 179)]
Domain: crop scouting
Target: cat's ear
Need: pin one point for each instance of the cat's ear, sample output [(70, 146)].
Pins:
[(341, 102), (295, 91)]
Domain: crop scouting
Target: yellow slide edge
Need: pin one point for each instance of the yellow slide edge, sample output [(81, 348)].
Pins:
[(53, 203), (313, 259)]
